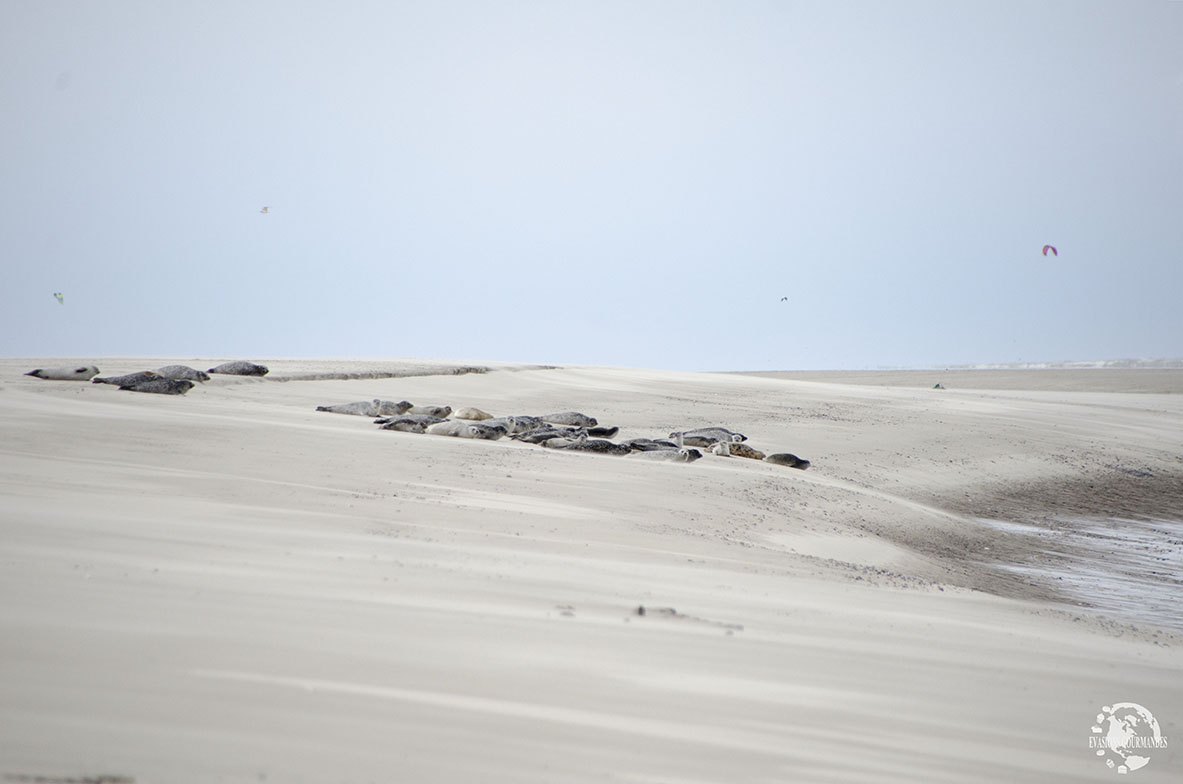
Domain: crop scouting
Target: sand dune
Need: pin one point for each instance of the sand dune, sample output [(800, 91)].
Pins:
[(231, 586)]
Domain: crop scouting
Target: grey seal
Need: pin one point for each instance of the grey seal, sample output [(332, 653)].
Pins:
[(240, 368), (182, 372), (786, 459), (570, 418), (369, 408), (162, 386), (127, 380), (82, 373), (603, 432), (443, 412)]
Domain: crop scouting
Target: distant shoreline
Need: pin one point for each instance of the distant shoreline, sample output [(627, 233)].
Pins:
[(1110, 379)]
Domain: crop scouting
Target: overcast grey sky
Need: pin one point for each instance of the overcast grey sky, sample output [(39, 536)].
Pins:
[(621, 183)]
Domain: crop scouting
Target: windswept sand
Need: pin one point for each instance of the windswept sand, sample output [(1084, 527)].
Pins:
[(230, 586)]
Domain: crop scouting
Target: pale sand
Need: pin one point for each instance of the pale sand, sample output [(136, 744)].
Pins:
[(230, 586)]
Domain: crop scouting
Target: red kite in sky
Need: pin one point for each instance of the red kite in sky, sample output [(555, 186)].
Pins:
[(1052, 248)]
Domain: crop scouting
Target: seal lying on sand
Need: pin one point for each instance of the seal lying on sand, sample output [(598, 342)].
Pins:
[(162, 386), (408, 423), (443, 412), (182, 371), (126, 380), (461, 429), (370, 408), (669, 455), (591, 445), (786, 459), (740, 449), (602, 432), (650, 445), (540, 434), (83, 373), (705, 436), (517, 423), (240, 368), (570, 418), (474, 414)]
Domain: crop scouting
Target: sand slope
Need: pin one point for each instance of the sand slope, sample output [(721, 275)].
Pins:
[(230, 586)]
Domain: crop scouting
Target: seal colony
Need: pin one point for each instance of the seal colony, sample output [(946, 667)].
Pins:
[(561, 431), (566, 431)]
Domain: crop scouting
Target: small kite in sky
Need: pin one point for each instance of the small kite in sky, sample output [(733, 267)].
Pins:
[(265, 210), (1052, 248), (784, 299), (58, 296)]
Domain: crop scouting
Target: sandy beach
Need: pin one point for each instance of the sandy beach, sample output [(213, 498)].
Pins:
[(231, 586)]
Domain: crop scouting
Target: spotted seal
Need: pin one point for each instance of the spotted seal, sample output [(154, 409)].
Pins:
[(162, 386), (127, 380), (81, 373), (240, 368), (182, 372), (570, 418), (787, 459), (369, 408)]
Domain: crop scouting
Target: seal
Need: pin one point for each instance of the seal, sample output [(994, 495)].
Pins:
[(706, 436), (517, 423), (591, 445), (443, 412), (650, 445), (786, 459), (83, 373), (740, 449), (669, 455), (408, 423), (369, 408), (540, 434), (162, 386), (239, 368), (126, 380), (481, 430), (570, 418), (461, 429), (182, 371), (602, 432), (474, 414)]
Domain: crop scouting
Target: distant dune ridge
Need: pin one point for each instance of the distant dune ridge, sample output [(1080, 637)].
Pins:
[(316, 598)]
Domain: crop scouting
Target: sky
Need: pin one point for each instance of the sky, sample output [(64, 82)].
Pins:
[(685, 185)]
